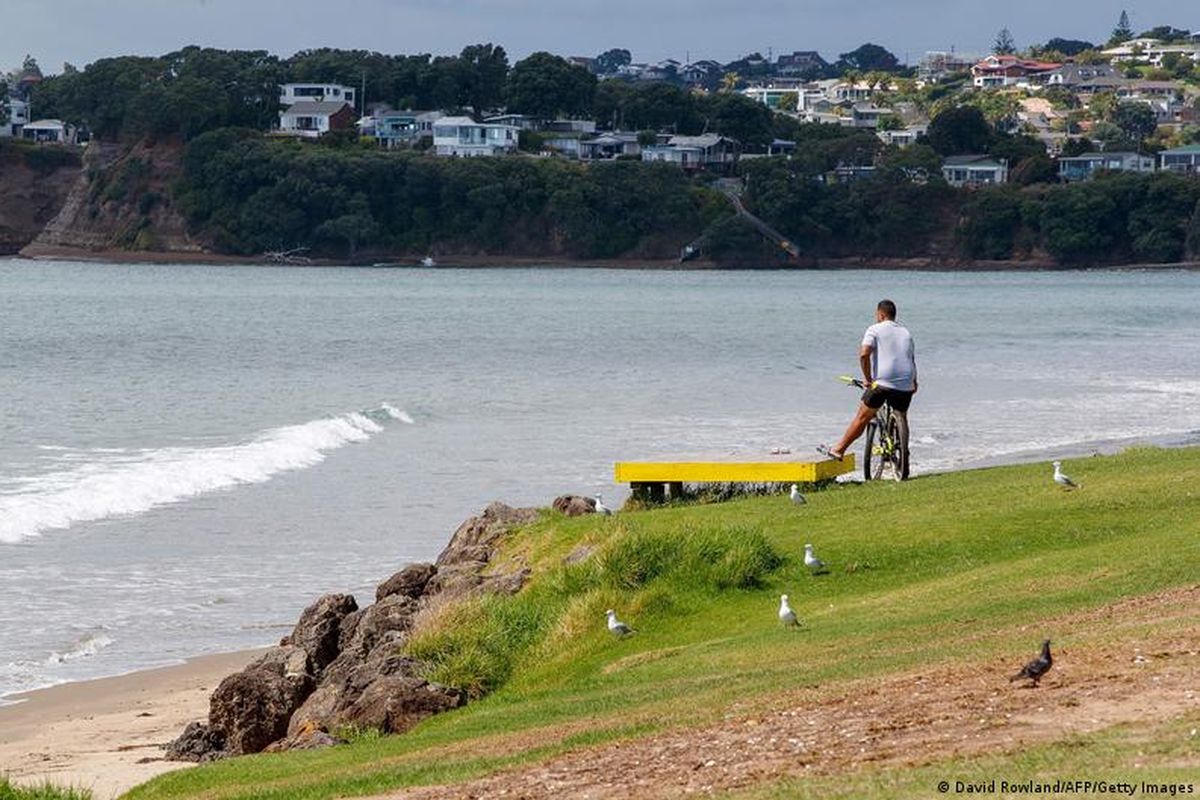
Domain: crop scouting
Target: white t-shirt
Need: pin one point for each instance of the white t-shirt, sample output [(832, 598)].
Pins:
[(893, 362)]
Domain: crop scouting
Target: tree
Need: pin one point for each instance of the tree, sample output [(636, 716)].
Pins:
[(868, 57), (1004, 44), (960, 130), (1136, 120), (608, 62), (485, 69), (1123, 32), (354, 226), (1166, 33), (738, 117), (1067, 47), (546, 86)]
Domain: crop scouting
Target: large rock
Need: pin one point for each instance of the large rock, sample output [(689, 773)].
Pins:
[(319, 629), (199, 743), (475, 539), (395, 704), (252, 708), (572, 505), (345, 681), (409, 582), (363, 630)]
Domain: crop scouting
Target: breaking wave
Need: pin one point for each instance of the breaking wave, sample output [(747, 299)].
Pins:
[(120, 483)]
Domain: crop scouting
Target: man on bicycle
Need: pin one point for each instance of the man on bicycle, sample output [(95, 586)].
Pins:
[(889, 370)]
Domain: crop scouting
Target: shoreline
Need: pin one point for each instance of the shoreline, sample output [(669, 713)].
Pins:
[(107, 734), (922, 264)]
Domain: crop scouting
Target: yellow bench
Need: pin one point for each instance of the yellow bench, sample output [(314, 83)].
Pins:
[(652, 480)]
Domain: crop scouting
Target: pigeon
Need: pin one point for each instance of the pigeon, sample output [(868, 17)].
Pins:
[(797, 498), (1035, 669), (618, 628), (812, 562), (602, 509), (786, 615), (1061, 478)]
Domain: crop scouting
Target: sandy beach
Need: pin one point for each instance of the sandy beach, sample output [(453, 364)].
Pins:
[(107, 735)]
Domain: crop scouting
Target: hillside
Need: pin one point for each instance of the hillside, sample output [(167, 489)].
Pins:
[(939, 590), (34, 184)]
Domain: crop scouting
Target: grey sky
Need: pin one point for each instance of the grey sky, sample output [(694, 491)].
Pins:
[(80, 31)]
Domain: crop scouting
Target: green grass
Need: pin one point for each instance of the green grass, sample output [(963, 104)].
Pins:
[(959, 567), (42, 791)]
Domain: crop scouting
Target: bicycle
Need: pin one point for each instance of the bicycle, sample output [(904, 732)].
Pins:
[(886, 444)]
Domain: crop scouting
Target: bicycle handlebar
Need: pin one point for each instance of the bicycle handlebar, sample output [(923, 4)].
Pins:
[(849, 381)]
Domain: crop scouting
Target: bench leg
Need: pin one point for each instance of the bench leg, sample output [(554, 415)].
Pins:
[(657, 492), (676, 490), (641, 492)]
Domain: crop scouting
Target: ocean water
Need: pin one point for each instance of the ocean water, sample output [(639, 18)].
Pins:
[(191, 454)]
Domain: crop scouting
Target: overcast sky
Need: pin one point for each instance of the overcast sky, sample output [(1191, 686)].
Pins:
[(81, 31)]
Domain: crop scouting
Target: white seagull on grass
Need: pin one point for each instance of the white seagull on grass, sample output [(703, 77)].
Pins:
[(786, 615), (618, 628), (602, 509), (797, 498), (1062, 479), (812, 562)]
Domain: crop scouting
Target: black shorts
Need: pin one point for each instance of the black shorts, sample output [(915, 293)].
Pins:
[(875, 397)]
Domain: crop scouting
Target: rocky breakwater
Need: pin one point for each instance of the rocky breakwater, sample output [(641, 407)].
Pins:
[(343, 667)]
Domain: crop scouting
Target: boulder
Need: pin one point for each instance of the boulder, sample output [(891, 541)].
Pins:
[(252, 708), (347, 678), (395, 704), (409, 582), (309, 737), (572, 505), (390, 615), (199, 743), (319, 628), (475, 539)]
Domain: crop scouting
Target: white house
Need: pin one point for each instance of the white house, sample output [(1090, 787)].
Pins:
[(903, 137), (463, 136), (694, 152), (309, 120), (18, 116), (608, 146), (1152, 51), (974, 170), (1082, 167), (49, 131), (398, 128), (1181, 159), (292, 93)]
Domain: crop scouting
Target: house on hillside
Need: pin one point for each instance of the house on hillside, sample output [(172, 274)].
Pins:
[(48, 131), (1151, 51), (974, 170), (1181, 159), (608, 146), (707, 151), (699, 73), (399, 128), (18, 117), (1005, 70), (519, 121), (1084, 166), (800, 62), (311, 120), (904, 136), (938, 65), (463, 137), (292, 93)]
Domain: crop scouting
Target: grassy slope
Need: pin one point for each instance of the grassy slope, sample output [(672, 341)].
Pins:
[(957, 567)]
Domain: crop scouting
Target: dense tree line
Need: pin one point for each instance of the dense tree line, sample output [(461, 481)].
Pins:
[(247, 194)]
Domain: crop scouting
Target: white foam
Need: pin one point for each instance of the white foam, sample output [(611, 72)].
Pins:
[(84, 647), (108, 486)]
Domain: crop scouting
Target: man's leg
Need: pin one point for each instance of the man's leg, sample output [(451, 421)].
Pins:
[(857, 426)]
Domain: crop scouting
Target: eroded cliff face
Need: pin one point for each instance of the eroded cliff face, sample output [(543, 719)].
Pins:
[(121, 200), (30, 197)]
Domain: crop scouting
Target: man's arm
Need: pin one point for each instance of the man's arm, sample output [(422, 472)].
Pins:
[(864, 360)]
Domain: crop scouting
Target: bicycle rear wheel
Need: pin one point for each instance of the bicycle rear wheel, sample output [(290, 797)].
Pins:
[(898, 430)]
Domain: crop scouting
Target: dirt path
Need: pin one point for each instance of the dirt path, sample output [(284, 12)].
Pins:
[(1114, 676)]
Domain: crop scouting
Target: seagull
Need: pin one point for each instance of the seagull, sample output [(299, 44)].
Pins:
[(602, 509), (786, 615), (1035, 669), (797, 498), (618, 628), (1061, 478), (812, 562)]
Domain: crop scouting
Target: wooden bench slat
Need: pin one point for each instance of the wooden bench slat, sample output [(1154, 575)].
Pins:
[(731, 471)]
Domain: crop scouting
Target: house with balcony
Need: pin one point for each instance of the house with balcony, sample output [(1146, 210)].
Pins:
[(903, 137), (610, 146), (938, 65), (311, 120), (48, 131), (463, 137), (800, 62), (1006, 70), (399, 128), (707, 151), (292, 93), (1151, 51), (974, 170), (1084, 166), (1181, 159), (18, 117)]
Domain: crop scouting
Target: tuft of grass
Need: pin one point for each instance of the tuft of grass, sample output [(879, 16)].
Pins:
[(41, 791)]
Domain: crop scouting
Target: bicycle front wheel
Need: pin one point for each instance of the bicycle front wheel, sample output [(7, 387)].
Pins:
[(873, 455)]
